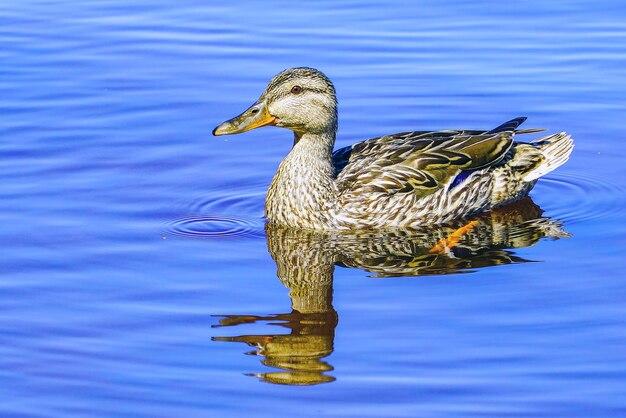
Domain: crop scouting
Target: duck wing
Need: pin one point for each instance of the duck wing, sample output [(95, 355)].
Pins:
[(419, 162)]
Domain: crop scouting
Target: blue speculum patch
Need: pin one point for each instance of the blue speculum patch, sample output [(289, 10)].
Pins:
[(460, 178)]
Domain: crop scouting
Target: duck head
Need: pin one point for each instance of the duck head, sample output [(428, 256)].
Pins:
[(300, 99)]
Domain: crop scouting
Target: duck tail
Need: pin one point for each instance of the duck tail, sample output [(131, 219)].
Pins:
[(555, 150), (509, 126)]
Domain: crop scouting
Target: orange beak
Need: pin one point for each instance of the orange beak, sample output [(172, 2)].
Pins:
[(254, 117)]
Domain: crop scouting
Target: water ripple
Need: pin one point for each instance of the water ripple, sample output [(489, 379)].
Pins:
[(576, 198), (206, 217), (247, 201), (216, 227)]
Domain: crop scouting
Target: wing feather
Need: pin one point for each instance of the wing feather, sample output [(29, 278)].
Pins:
[(419, 162)]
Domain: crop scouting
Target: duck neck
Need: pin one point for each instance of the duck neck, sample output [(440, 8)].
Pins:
[(315, 148), (303, 188)]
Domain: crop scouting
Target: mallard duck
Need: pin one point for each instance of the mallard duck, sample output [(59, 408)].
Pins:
[(407, 179)]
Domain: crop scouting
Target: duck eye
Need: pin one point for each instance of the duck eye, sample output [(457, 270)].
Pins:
[(296, 89)]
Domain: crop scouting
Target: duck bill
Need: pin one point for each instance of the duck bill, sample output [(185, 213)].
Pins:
[(254, 117)]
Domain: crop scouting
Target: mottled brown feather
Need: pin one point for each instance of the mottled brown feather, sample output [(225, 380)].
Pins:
[(416, 162)]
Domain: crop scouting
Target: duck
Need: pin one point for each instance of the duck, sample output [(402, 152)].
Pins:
[(402, 180)]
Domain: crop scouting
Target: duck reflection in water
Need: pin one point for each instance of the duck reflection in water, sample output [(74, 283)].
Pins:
[(306, 261)]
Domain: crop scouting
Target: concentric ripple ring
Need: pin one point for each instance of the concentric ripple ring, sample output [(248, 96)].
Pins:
[(580, 198), (215, 227)]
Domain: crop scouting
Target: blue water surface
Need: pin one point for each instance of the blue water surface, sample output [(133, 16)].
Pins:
[(136, 271)]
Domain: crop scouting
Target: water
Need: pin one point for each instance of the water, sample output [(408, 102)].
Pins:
[(137, 271)]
